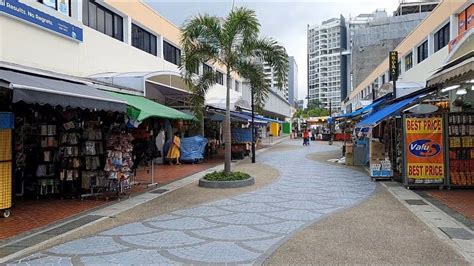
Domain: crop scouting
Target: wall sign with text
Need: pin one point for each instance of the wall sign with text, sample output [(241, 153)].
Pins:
[(23, 12), (424, 150)]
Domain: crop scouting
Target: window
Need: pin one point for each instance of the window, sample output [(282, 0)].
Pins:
[(143, 40), (171, 53), (101, 19), (219, 78), (399, 68), (383, 79), (441, 38), (237, 86), (206, 68), (63, 6), (408, 61), (422, 51)]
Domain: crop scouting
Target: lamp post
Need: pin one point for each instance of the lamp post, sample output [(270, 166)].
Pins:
[(330, 122), (253, 126)]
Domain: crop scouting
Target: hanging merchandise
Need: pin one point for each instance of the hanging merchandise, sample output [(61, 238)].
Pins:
[(119, 162), (461, 149), (93, 176), (70, 160)]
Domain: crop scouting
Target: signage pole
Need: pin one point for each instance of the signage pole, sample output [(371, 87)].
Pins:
[(253, 126)]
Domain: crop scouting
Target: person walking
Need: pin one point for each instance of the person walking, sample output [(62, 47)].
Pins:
[(305, 137), (174, 152)]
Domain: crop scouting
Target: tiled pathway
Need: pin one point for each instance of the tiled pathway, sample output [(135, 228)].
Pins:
[(241, 229)]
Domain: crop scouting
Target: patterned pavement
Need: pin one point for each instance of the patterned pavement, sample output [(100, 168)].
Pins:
[(242, 229)]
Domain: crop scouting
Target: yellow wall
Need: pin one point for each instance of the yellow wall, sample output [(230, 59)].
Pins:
[(437, 17)]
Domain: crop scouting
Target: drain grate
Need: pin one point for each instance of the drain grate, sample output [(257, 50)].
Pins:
[(159, 191), (416, 202), (458, 233)]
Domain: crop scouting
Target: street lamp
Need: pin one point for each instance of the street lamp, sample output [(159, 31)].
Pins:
[(253, 125), (330, 122)]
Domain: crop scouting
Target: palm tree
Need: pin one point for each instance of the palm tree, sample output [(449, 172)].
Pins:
[(233, 43), (198, 87)]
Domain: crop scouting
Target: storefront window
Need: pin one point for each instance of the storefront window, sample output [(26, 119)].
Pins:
[(206, 68), (171, 53), (102, 19), (219, 78), (63, 6), (408, 61), (143, 40), (441, 38), (422, 51)]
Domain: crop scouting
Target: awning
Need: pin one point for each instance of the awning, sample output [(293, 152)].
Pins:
[(248, 118), (35, 89), (374, 118), (459, 67), (364, 109), (140, 108)]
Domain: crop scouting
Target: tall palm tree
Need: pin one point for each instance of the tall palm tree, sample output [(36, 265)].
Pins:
[(234, 43)]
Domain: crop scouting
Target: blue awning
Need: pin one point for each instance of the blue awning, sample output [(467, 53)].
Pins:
[(374, 118), (364, 109), (269, 119)]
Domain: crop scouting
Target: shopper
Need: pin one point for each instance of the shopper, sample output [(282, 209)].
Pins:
[(305, 137), (174, 151)]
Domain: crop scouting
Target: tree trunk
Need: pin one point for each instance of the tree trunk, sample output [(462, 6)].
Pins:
[(227, 134)]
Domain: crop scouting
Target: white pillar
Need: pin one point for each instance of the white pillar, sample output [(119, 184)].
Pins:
[(76, 10), (453, 26), (127, 30), (430, 44), (159, 46)]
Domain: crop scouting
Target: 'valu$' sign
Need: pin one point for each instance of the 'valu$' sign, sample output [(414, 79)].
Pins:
[(424, 149)]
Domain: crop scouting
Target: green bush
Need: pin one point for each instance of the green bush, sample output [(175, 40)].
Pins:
[(221, 176)]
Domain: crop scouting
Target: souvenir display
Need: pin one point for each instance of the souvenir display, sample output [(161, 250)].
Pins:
[(461, 149)]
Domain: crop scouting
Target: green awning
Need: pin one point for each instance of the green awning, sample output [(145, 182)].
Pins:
[(140, 108)]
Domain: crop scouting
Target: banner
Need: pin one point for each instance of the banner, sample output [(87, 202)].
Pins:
[(424, 150), (26, 13)]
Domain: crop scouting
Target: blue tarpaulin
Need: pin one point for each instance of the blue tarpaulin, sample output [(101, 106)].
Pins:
[(241, 135), (374, 118), (192, 149)]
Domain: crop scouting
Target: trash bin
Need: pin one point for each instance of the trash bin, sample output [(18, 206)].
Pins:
[(6, 171)]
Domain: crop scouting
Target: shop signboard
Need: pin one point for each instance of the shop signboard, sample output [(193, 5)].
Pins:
[(424, 150), (393, 65), (23, 12)]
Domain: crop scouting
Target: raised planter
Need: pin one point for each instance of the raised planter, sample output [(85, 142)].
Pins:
[(226, 184)]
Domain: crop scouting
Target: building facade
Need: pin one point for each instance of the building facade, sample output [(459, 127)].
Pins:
[(413, 7), (292, 81), (270, 79), (127, 44), (327, 68), (421, 53)]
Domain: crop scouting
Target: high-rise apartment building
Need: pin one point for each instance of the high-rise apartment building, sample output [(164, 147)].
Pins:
[(292, 80), (270, 78), (327, 68)]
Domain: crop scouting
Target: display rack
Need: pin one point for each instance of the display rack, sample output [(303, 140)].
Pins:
[(47, 183), (94, 179), (119, 161), (70, 159), (461, 149)]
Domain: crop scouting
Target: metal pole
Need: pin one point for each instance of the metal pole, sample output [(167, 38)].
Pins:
[(253, 126), (394, 88), (330, 124)]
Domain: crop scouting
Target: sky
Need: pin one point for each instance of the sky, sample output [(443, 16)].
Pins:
[(283, 20)]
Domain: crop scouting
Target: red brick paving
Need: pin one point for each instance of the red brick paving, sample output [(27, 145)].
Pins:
[(32, 214), (461, 201), (27, 215)]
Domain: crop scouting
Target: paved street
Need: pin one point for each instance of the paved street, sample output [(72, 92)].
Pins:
[(242, 229)]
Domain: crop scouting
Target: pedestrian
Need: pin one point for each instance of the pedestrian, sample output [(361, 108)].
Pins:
[(174, 152), (293, 133), (305, 137)]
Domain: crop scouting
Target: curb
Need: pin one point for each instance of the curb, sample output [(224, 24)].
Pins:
[(226, 184), (111, 210)]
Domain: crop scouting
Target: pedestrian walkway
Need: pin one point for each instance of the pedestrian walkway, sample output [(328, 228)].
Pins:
[(240, 229)]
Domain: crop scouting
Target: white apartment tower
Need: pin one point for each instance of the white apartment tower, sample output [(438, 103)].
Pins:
[(270, 78), (327, 68)]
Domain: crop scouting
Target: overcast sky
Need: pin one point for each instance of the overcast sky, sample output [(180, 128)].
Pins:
[(284, 20)]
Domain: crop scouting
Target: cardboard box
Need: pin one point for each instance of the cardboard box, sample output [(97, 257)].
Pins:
[(349, 159), (377, 150), (349, 149)]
